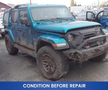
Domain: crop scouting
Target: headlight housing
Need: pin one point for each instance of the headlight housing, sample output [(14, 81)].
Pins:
[(70, 37), (99, 31)]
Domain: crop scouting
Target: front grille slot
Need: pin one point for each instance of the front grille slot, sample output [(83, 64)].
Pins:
[(95, 43), (87, 36)]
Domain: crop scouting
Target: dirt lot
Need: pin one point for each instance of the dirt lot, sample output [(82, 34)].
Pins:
[(22, 67)]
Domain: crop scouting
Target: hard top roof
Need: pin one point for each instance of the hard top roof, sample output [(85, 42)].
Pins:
[(28, 5)]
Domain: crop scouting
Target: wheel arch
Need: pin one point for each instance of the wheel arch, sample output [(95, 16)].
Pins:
[(8, 31), (51, 40), (41, 43)]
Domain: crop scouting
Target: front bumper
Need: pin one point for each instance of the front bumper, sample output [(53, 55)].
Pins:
[(85, 54)]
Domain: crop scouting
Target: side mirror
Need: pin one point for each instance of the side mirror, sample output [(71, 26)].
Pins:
[(24, 21)]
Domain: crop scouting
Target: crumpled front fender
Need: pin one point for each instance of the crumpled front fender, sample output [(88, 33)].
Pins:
[(53, 40)]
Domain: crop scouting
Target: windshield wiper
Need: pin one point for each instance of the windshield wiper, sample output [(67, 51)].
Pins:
[(60, 18), (44, 20), (52, 19), (56, 18)]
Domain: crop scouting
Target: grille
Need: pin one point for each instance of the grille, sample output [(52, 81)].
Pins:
[(95, 43), (87, 36)]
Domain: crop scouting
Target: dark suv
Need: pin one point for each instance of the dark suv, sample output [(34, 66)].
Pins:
[(50, 34)]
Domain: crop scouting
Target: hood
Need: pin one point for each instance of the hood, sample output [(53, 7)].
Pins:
[(64, 26)]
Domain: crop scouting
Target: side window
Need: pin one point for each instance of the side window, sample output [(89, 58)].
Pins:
[(90, 15), (6, 18), (23, 15), (14, 16), (100, 15)]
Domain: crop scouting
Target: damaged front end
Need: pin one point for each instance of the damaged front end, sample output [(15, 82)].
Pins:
[(86, 43)]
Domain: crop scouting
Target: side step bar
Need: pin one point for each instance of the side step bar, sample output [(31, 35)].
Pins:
[(27, 50)]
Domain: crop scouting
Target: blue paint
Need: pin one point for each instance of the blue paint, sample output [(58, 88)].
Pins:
[(104, 21), (65, 26), (52, 39), (11, 34), (105, 31)]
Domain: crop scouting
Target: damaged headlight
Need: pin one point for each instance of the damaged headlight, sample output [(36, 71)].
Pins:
[(99, 31), (70, 37)]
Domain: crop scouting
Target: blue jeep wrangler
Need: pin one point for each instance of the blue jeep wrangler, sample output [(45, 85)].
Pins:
[(50, 34)]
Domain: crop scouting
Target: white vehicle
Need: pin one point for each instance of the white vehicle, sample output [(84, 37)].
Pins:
[(1, 26)]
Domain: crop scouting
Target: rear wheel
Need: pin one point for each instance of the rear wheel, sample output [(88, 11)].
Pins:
[(9, 45), (99, 58), (52, 64)]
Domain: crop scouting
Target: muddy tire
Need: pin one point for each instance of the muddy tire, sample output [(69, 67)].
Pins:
[(52, 64), (9, 45), (99, 58)]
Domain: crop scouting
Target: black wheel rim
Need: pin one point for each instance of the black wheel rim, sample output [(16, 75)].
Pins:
[(7, 45), (48, 63)]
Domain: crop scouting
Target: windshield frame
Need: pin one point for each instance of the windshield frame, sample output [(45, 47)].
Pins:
[(51, 18)]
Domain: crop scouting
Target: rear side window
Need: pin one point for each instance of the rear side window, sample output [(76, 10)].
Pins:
[(23, 14), (6, 18), (14, 15)]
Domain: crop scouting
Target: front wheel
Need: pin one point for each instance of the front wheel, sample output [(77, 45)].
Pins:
[(52, 64)]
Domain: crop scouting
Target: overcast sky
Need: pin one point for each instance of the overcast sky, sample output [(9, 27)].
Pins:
[(65, 2)]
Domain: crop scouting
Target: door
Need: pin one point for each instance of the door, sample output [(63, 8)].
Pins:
[(24, 31), (14, 23), (90, 16), (99, 16)]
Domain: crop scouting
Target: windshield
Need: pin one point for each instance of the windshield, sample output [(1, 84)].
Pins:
[(49, 13)]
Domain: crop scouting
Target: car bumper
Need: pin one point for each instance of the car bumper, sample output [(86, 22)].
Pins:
[(85, 54)]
